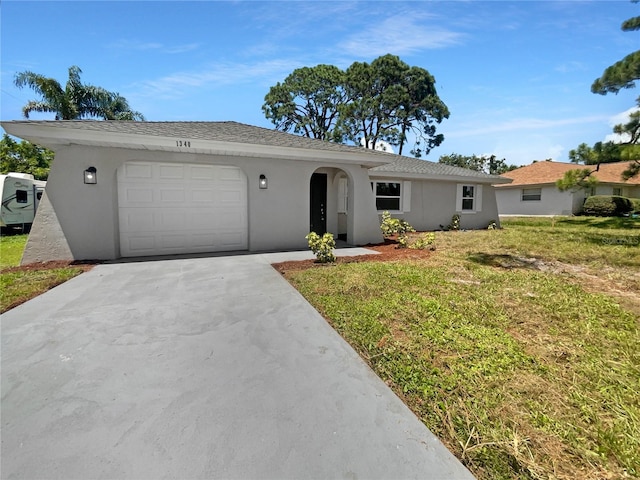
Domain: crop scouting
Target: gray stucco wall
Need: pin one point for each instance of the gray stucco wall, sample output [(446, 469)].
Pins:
[(552, 202), (278, 216), (433, 204)]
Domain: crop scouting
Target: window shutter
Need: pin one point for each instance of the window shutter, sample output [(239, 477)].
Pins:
[(406, 196), (342, 195), (478, 199), (459, 198)]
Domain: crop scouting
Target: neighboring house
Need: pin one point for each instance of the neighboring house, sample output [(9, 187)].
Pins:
[(127, 189), (533, 190)]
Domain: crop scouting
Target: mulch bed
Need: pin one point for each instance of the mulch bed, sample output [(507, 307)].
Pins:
[(388, 251)]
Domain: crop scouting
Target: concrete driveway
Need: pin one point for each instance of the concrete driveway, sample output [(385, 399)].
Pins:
[(197, 368)]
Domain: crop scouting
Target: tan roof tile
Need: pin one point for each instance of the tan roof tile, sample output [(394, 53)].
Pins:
[(545, 172)]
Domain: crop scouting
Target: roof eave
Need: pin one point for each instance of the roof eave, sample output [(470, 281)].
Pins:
[(53, 137), (434, 176)]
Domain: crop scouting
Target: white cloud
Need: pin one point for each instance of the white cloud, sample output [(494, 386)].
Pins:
[(525, 124), (177, 84), (400, 34), (136, 45), (622, 117)]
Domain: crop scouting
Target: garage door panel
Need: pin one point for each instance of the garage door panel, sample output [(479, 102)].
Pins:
[(181, 208), (138, 170), (171, 195), (171, 172)]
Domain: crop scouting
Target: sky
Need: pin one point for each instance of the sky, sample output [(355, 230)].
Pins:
[(515, 75)]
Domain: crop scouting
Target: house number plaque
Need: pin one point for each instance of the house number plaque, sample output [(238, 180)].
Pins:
[(183, 143)]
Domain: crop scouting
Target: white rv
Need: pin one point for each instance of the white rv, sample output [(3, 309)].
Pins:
[(20, 195)]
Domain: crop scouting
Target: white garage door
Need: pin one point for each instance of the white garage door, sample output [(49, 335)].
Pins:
[(167, 208)]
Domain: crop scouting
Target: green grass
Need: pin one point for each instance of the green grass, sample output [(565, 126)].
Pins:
[(524, 370), (17, 287), (11, 248)]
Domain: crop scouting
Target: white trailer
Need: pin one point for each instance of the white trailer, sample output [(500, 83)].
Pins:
[(20, 194)]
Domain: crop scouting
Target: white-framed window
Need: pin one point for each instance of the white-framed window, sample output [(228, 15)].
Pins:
[(469, 198), (392, 195), (531, 194), (617, 191)]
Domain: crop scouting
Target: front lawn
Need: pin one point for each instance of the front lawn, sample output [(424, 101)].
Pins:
[(517, 347), (19, 284)]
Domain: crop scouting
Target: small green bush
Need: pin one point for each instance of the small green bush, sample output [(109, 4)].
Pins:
[(396, 226), (636, 204), (424, 241), (607, 206), (322, 247), (455, 222), (492, 225)]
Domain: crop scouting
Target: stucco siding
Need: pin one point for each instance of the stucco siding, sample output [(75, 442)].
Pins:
[(278, 216), (433, 204), (552, 202)]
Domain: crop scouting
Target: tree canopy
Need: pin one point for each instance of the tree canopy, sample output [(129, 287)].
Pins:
[(623, 73), (484, 164), (384, 100), (76, 100), (24, 157)]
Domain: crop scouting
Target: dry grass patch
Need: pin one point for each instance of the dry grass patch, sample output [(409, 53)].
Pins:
[(519, 364)]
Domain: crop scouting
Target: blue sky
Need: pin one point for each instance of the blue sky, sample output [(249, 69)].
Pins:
[(516, 75)]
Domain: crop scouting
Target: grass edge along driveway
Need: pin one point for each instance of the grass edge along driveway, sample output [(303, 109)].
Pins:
[(19, 284), (515, 346)]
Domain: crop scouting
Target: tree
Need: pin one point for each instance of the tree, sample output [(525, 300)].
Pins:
[(76, 100), (307, 101), (381, 101), (623, 73), (480, 164), (388, 99), (24, 157), (578, 179)]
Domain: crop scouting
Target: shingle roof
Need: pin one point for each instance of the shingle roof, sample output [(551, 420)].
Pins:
[(425, 167), (546, 172), (233, 132)]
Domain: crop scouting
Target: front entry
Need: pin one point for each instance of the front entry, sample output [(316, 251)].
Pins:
[(318, 202)]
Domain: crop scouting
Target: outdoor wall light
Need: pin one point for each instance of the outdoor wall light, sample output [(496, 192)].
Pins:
[(263, 182), (90, 176)]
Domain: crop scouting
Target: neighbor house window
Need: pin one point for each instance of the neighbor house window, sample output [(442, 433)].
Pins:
[(469, 198), (21, 196), (617, 191), (592, 192), (531, 194), (388, 195)]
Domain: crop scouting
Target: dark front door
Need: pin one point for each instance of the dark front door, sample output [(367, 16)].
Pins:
[(318, 201)]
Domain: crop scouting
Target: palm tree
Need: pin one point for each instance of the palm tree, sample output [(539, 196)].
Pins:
[(76, 100)]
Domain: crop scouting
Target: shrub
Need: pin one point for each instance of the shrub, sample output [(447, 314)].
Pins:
[(322, 247), (606, 206), (455, 222), (395, 226), (636, 204), (492, 225), (424, 241)]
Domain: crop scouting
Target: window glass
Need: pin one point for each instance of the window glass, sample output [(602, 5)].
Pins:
[(21, 196), (468, 192), (531, 194), (388, 189), (387, 203), (388, 195), (617, 191)]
